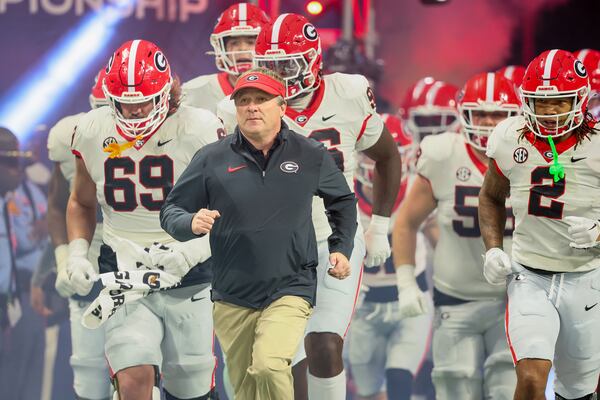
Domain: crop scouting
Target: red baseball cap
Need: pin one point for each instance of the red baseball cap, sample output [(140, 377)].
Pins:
[(259, 81)]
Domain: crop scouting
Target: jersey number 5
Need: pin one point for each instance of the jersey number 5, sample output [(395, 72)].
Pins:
[(461, 208), (538, 191), (155, 172)]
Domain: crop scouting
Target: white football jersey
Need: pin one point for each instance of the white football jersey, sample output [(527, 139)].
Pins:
[(456, 176), (206, 91), (541, 239), (59, 145), (131, 188), (383, 276), (342, 116)]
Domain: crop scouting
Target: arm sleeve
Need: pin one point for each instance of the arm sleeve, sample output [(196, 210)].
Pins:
[(185, 199), (372, 124), (340, 206)]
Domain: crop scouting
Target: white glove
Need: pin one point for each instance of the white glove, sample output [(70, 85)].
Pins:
[(80, 270), (411, 300), (376, 241), (497, 266), (63, 284), (584, 232), (169, 259)]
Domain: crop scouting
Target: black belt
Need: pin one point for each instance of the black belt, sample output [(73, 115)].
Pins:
[(540, 271)]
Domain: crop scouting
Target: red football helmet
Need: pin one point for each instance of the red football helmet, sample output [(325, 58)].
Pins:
[(242, 19), (555, 74), (291, 46), (97, 97), (513, 73), (366, 166), (486, 99), (591, 60), (429, 108), (136, 73)]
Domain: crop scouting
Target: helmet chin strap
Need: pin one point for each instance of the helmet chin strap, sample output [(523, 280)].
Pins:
[(556, 169)]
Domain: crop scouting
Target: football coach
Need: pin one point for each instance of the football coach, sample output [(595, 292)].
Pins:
[(253, 192)]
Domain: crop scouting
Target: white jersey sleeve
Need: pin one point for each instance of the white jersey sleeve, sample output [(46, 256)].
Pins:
[(356, 90), (434, 151), (206, 91), (227, 114), (59, 145)]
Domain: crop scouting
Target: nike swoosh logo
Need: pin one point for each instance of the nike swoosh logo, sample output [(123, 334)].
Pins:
[(588, 308), (163, 143), (194, 299), (233, 169), (574, 160), (327, 118)]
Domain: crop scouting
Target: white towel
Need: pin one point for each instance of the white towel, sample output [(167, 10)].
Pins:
[(134, 280)]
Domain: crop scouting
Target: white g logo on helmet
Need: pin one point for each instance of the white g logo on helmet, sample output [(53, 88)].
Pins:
[(310, 32), (580, 69), (160, 61)]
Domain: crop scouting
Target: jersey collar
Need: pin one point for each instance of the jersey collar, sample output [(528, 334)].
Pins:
[(544, 148), (226, 87), (478, 163), (302, 117)]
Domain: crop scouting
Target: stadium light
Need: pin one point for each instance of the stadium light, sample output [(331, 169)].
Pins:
[(314, 7), (28, 102)]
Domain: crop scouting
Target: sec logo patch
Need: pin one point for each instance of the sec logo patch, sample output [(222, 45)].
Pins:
[(520, 155)]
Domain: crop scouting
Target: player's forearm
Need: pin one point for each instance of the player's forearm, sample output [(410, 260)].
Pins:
[(492, 219), (386, 183), (81, 220), (404, 243)]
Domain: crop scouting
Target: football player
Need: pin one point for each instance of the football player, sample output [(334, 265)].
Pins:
[(513, 73), (429, 108), (128, 157), (591, 60), (548, 161), (90, 371), (233, 41), (471, 360), (383, 347), (339, 111)]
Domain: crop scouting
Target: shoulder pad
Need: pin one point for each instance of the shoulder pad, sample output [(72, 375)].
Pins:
[(440, 147), (62, 132), (348, 86), (198, 82)]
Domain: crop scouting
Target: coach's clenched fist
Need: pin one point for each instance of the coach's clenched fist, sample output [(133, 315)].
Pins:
[(203, 221)]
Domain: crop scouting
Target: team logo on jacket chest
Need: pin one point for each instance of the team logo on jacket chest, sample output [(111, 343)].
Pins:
[(289, 167), (520, 155), (301, 119), (463, 174), (108, 141)]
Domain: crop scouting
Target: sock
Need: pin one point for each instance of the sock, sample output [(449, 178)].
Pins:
[(399, 384), (327, 388)]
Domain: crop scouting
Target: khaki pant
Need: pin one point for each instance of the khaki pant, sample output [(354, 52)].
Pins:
[(259, 346)]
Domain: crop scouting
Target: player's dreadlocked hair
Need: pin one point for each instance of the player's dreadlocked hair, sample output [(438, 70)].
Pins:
[(174, 95), (583, 131)]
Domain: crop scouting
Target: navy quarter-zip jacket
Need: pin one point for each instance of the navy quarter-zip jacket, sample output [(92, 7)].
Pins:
[(263, 245)]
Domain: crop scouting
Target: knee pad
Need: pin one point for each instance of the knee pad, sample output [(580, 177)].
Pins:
[(191, 378), (591, 396), (212, 395), (457, 384)]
